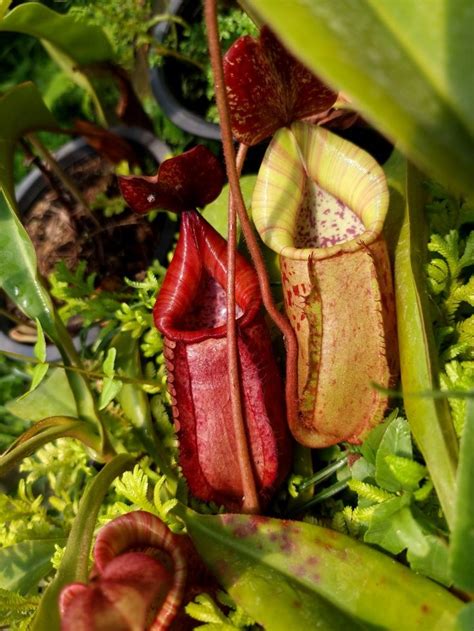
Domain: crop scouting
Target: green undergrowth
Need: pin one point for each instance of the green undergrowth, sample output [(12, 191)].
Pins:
[(379, 492)]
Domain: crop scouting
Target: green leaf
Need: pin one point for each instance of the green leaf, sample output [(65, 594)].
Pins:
[(24, 564), (4, 4), (370, 445), (434, 563), (69, 42), (21, 111), (43, 432), (135, 403), (53, 397), (407, 472), (110, 389), (395, 441), (40, 346), (39, 373), (466, 618), (75, 562), (429, 418), (462, 539), (108, 365), (217, 211), (394, 528), (308, 577), (84, 43), (406, 65)]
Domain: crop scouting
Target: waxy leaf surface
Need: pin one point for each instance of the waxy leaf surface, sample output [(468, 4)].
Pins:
[(268, 88), (406, 66), (311, 577), (429, 418), (462, 540), (191, 180)]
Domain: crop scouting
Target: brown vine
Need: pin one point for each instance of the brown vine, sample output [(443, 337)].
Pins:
[(233, 167), (250, 502)]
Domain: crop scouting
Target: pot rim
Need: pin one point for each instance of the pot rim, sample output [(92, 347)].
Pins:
[(182, 117)]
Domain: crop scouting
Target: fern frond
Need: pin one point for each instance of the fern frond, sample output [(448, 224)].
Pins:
[(448, 248), (353, 527), (459, 293), (362, 515), (408, 472), (339, 523), (465, 330), (205, 609), (16, 610), (438, 275), (369, 491), (458, 376), (467, 259), (133, 485)]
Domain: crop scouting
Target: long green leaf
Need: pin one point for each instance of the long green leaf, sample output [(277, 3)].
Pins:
[(22, 110), (69, 42), (429, 418), (462, 539), (24, 564), (46, 431), (406, 65), (294, 575), (75, 563)]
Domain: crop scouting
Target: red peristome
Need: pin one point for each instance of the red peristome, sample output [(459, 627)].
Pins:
[(268, 88), (191, 305), (191, 180), (138, 580), (190, 311), (123, 597)]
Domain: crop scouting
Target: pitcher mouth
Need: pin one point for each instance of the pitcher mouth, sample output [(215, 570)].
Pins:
[(318, 195), (191, 305)]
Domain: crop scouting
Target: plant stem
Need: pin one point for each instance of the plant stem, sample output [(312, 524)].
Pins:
[(91, 374), (323, 474), (320, 497), (62, 176), (41, 166), (250, 502)]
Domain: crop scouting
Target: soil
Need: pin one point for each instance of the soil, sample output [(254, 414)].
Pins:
[(61, 229)]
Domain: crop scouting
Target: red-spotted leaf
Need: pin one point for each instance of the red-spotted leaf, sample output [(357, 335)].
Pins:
[(295, 575), (191, 313), (191, 180), (268, 89)]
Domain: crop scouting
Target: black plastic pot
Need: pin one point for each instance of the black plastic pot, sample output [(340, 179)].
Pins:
[(182, 117), (34, 186)]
